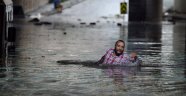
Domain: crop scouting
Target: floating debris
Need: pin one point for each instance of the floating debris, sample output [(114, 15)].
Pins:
[(73, 26), (46, 23), (43, 23), (92, 23), (38, 23), (104, 17), (64, 33), (119, 24), (82, 23), (35, 17), (34, 20), (79, 19)]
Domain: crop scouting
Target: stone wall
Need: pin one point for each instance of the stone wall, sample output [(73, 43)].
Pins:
[(30, 5)]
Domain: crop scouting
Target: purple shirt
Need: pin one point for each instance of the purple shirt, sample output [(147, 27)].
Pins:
[(110, 58)]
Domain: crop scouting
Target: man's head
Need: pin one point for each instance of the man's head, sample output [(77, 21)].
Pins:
[(119, 47)]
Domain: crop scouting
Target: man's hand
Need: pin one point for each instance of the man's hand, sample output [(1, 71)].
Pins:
[(133, 56)]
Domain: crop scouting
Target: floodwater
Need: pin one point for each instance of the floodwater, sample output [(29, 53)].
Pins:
[(31, 69)]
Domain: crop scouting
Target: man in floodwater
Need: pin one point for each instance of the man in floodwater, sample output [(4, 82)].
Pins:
[(117, 56)]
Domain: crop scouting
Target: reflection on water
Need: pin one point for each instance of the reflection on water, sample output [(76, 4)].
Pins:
[(31, 70), (145, 38), (120, 73)]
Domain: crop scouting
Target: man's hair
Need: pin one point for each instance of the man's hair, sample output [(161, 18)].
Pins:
[(120, 41)]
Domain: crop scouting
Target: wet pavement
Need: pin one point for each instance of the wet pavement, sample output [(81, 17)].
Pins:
[(31, 69)]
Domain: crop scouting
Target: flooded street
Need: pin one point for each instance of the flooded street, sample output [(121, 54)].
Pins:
[(84, 32)]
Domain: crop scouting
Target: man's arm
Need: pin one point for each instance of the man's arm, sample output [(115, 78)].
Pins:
[(101, 60), (131, 60), (103, 57)]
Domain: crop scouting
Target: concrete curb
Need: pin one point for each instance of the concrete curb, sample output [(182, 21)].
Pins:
[(71, 3), (49, 8)]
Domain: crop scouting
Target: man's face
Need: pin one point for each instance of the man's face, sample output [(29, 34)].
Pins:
[(119, 47)]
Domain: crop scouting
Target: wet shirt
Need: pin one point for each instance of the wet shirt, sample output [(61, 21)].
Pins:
[(110, 58)]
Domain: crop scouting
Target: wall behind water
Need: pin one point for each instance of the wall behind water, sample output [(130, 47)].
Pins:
[(30, 5), (180, 6)]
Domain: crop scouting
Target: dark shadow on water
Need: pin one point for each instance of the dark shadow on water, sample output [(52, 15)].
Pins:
[(185, 67), (92, 63), (145, 38), (2, 73), (144, 32), (79, 62)]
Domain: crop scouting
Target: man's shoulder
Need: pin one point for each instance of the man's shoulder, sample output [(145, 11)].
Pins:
[(111, 49)]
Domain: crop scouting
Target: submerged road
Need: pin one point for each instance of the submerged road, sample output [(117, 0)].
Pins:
[(84, 32)]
